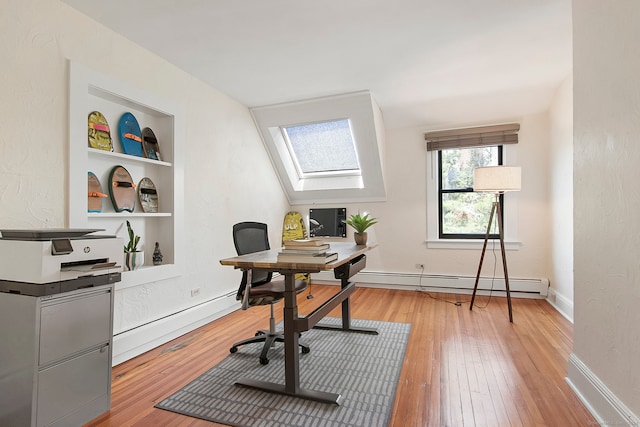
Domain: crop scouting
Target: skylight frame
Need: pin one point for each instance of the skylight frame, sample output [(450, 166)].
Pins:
[(368, 134)]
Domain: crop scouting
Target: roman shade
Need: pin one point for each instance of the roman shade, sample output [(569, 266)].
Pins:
[(472, 137)]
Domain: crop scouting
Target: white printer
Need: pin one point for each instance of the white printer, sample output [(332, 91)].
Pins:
[(50, 261)]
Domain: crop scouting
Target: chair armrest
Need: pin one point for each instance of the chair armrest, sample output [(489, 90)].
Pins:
[(247, 290)]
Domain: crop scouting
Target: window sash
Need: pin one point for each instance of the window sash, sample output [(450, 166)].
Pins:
[(325, 148), (441, 213)]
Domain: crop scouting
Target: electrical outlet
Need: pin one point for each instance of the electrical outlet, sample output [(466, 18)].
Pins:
[(420, 266), (195, 292)]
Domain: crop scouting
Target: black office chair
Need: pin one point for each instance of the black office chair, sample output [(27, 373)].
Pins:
[(250, 237)]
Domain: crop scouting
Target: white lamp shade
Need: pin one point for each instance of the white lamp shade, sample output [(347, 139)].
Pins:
[(497, 179)]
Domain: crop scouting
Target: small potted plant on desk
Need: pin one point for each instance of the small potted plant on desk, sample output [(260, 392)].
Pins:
[(360, 223), (133, 258)]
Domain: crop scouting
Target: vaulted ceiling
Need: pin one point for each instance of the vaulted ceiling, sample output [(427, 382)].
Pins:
[(427, 63)]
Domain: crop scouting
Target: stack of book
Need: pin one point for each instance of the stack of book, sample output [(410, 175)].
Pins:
[(306, 251)]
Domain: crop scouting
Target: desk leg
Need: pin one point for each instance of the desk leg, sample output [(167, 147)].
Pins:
[(291, 352), (346, 318), (291, 356)]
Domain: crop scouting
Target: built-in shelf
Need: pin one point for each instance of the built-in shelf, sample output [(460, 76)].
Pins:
[(126, 157), (127, 214), (93, 91)]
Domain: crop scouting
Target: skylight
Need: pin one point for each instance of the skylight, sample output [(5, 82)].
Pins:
[(323, 148), (326, 150)]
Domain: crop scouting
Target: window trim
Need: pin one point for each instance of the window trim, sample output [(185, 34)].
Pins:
[(510, 206)]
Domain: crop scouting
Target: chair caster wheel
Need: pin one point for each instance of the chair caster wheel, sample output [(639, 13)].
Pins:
[(306, 350), (259, 333), (264, 361), (233, 349)]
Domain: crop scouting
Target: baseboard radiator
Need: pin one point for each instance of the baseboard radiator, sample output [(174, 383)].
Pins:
[(519, 287), (137, 340)]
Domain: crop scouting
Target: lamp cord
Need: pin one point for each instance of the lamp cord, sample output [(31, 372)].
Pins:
[(493, 278), (495, 264), (456, 303), (309, 295)]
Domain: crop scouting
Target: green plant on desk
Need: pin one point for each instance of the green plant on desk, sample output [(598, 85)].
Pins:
[(360, 224)]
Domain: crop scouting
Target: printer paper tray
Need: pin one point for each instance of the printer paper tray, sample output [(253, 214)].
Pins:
[(91, 267)]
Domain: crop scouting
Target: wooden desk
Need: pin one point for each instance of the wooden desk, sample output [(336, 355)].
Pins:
[(293, 324)]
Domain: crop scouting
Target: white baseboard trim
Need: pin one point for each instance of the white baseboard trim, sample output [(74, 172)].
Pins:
[(561, 303), (519, 287), (605, 406), (131, 343)]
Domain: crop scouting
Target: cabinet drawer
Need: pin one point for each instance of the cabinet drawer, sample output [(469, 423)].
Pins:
[(71, 324), (77, 386)]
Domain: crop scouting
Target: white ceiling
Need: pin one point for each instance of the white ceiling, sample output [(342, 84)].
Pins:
[(428, 63)]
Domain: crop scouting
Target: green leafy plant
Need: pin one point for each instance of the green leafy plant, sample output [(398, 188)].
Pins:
[(132, 246), (361, 222)]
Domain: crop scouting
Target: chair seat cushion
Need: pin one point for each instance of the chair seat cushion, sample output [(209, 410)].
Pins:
[(273, 290)]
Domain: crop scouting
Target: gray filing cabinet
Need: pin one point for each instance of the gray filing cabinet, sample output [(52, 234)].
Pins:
[(55, 357)]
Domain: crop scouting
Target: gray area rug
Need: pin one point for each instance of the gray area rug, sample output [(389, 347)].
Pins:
[(363, 368)]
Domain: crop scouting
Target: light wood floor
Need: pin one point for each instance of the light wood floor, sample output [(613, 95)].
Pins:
[(461, 368)]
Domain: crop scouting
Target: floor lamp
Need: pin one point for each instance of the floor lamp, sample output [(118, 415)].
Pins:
[(497, 180)]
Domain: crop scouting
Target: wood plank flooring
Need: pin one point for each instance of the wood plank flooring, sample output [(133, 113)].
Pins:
[(461, 367)]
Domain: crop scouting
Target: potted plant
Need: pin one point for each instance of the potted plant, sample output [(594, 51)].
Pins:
[(360, 223), (133, 258)]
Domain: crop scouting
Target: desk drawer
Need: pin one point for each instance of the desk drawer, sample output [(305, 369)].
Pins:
[(352, 267)]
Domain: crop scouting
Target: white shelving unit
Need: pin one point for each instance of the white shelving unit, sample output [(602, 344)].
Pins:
[(92, 91)]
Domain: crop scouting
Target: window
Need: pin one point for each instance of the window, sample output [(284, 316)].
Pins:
[(323, 148), (326, 150), (457, 217), (464, 214)]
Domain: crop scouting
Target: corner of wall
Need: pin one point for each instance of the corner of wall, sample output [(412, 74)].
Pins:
[(605, 406), (561, 303)]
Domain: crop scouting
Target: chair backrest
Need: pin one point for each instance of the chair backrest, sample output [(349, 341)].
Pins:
[(250, 237)]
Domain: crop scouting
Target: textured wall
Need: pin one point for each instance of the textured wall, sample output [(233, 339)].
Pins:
[(32, 116), (228, 176), (606, 196)]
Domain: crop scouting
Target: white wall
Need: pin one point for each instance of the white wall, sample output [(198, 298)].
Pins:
[(228, 176), (561, 198), (606, 206), (402, 227)]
